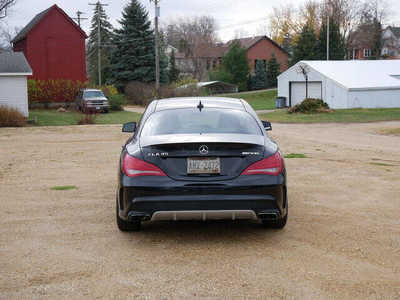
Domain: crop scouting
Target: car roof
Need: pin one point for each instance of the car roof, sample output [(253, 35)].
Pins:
[(189, 102), (91, 90)]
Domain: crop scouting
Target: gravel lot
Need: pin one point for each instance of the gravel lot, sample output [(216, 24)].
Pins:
[(342, 240)]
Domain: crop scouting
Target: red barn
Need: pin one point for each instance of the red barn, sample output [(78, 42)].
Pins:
[(54, 46)]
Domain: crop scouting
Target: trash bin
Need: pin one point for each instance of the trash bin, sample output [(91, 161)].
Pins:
[(280, 102)]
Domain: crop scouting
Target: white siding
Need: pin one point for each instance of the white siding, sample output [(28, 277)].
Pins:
[(14, 93), (374, 99)]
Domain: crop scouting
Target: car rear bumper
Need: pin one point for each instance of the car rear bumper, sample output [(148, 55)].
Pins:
[(246, 197)]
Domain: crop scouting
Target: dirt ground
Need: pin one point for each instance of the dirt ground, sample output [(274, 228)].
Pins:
[(342, 240)]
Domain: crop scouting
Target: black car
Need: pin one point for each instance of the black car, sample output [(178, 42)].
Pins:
[(200, 159)]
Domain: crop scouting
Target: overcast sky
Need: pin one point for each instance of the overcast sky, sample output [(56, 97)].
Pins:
[(232, 16)]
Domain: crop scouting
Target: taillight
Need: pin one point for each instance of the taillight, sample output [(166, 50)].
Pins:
[(133, 167), (272, 165)]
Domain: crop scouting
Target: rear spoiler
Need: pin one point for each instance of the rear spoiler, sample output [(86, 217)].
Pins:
[(202, 138)]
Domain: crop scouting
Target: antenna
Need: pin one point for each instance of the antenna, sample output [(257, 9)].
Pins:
[(78, 18)]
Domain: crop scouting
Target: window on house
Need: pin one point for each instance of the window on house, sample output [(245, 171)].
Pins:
[(367, 52)]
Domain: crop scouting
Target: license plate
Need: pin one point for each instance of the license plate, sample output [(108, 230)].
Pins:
[(97, 107), (203, 165)]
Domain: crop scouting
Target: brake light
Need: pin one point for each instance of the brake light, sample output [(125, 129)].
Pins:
[(272, 165), (132, 167)]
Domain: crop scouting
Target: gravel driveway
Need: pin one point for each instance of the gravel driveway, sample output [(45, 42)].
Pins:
[(342, 240)]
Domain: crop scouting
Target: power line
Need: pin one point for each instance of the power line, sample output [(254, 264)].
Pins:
[(98, 6), (78, 18)]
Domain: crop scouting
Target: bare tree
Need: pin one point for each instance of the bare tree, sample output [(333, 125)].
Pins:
[(6, 36), (193, 36), (4, 5)]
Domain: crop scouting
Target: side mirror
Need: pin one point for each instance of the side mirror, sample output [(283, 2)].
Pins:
[(129, 127), (267, 125)]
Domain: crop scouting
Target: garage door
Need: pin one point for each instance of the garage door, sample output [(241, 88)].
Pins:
[(298, 91)]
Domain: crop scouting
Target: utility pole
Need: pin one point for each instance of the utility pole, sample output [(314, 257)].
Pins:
[(156, 16), (98, 5), (78, 17), (327, 32)]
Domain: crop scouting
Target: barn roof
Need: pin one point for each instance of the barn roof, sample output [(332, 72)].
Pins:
[(360, 74), (14, 63), (23, 33)]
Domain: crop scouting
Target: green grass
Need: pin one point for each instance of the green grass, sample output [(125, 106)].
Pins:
[(357, 115), (64, 188), (258, 100), (54, 118), (295, 155)]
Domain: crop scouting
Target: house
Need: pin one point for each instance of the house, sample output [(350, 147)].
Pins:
[(391, 42), (208, 57), (361, 43), (344, 84), (262, 48), (54, 46), (14, 70)]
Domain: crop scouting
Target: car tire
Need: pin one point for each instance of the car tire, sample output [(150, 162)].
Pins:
[(105, 111), (125, 225)]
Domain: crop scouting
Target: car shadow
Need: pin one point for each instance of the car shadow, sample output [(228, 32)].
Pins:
[(195, 232)]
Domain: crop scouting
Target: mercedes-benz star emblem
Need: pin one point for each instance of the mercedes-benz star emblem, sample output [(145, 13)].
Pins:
[(203, 150)]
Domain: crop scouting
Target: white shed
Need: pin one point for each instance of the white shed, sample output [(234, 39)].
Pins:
[(344, 84), (14, 70)]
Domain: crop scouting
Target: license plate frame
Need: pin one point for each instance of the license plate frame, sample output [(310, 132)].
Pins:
[(203, 165)]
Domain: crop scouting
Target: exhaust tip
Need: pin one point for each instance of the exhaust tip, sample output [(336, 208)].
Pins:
[(269, 215), (135, 215)]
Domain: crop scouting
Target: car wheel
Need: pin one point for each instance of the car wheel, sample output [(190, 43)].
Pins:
[(125, 225), (106, 111)]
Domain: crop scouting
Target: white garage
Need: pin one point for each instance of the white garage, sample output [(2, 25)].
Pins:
[(344, 84), (14, 70)]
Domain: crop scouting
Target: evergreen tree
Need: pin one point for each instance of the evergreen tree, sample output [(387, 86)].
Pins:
[(287, 44), (259, 80), (173, 70), (92, 45), (306, 45), (133, 58), (377, 38), (273, 71), (337, 49), (235, 63)]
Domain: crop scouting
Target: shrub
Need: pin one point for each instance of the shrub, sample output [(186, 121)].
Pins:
[(11, 117), (58, 90), (116, 102), (185, 81), (310, 105), (139, 93), (108, 90)]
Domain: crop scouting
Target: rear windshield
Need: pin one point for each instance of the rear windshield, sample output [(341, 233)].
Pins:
[(93, 94), (188, 121)]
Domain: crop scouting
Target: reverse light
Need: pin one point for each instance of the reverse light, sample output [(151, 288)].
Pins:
[(132, 167), (272, 165)]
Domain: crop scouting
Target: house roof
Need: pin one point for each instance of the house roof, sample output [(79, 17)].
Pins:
[(23, 33), (249, 42), (14, 63), (360, 74), (395, 30)]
